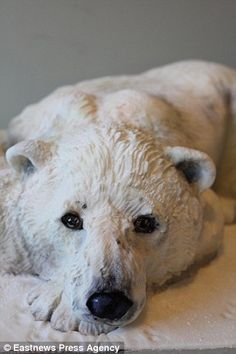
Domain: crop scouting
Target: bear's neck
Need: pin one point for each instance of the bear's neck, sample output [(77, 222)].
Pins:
[(13, 252)]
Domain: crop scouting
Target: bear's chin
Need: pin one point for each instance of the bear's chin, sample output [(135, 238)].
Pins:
[(91, 328)]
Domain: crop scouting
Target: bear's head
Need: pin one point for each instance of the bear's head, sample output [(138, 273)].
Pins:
[(109, 211)]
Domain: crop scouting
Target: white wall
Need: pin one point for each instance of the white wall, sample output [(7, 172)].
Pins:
[(48, 43)]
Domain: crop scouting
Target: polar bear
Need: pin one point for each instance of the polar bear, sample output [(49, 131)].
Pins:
[(108, 190)]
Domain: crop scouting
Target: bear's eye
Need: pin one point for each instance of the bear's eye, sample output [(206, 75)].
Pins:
[(72, 221), (145, 224)]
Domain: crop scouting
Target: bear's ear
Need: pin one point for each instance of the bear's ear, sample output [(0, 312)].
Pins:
[(196, 166), (28, 156)]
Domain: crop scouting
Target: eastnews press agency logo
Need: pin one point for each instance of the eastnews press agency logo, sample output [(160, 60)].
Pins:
[(84, 347)]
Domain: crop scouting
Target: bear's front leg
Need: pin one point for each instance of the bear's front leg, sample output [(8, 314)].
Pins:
[(52, 301)]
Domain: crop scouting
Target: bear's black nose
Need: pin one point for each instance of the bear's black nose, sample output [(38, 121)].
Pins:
[(112, 306)]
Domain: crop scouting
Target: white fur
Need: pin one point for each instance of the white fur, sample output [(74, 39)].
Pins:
[(116, 145)]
